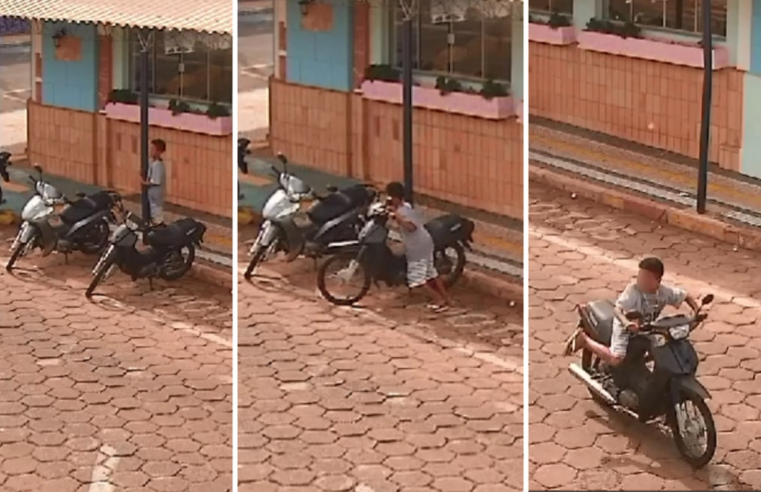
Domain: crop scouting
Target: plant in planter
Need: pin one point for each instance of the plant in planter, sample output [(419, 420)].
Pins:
[(448, 85), (178, 107), (558, 20), (492, 89), (624, 30), (382, 73), (216, 110), (122, 96)]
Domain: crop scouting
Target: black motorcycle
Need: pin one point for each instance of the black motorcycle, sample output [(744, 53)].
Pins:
[(169, 254), (369, 259), (82, 224), (657, 377), (243, 152), (337, 216), (5, 161)]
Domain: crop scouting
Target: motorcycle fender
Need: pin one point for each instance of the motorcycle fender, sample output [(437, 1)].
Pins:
[(689, 384), (85, 223), (294, 240), (47, 235)]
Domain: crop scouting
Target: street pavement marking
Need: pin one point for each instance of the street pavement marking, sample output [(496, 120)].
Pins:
[(105, 466), (599, 254)]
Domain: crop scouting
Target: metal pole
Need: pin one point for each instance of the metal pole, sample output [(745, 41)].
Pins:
[(144, 63), (705, 124), (407, 104)]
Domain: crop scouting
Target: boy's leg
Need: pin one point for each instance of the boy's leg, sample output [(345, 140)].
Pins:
[(442, 289)]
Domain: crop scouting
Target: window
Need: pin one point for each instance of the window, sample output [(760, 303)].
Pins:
[(186, 65), (680, 15), (470, 41), (551, 6)]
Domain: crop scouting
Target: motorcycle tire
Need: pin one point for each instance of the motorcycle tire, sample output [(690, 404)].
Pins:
[(702, 460), (15, 255), (331, 298), (255, 260), (186, 265), (101, 231), (459, 266), (98, 277)]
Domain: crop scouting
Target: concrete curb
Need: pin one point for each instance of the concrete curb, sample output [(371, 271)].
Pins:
[(707, 225), (212, 275)]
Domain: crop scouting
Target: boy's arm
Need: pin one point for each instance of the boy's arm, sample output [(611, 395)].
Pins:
[(403, 222), (676, 297), (626, 302)]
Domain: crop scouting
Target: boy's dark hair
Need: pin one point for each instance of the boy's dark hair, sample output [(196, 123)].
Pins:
[(395, 190), (159, 144), (653, 265)]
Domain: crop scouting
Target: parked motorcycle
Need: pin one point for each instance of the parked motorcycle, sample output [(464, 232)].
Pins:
[(169, 255), (243, 152), (370, 259), (5, 161), (337, 216), (82, 225), (670, 388)]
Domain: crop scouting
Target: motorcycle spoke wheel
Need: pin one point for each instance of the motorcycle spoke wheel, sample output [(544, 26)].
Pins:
[(343, 281), (694, 430)]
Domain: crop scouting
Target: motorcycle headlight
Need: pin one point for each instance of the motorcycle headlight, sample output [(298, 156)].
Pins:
[(679, 332), (658, 340)]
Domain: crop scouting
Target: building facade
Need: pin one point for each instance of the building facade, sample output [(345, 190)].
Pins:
[(335, 98), (634, 69), (83, 115)]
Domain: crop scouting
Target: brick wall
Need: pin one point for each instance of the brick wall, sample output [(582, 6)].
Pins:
[(105, 69), (361, 27), (652, 103), (90, 148), (469, 161)]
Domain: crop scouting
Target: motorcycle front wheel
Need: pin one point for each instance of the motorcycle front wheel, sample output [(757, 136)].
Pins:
[(699, 445), (99, 275), (15, 255), (256, 259), (348, 270), (178, 263), (95, 238)]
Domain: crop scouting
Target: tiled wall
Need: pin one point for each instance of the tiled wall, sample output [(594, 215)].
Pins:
[(90, 148), (651, 103), (470, 161), (71, 84)]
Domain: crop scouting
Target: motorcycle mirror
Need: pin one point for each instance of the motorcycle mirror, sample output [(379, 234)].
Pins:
[(332, 188), (281, 157), (707, 299), (633, 315), (38, 168)]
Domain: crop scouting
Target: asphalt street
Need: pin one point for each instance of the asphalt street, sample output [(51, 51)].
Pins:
[(580, 251), (15, 81)]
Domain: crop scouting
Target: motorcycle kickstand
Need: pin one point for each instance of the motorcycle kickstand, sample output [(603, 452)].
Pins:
[(150, 283)]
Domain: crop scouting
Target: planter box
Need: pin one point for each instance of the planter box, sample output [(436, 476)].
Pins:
[(498, 108), (542, 33), (195, 123), (651, 49)]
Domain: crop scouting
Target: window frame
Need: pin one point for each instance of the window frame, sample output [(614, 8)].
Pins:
[(428, 77), (670, 33), (162, 100), (547, 13)]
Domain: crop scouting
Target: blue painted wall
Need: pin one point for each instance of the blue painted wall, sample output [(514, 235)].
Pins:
[(70, 84), (755, 38), (321, 59)]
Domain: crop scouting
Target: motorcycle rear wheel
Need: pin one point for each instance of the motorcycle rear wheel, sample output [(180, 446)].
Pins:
[(187, 263), (710, 428), (459, 264), (347, 301)]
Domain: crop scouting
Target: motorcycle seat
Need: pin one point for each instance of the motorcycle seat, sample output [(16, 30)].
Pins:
[(178, 233), (448, 228), (84, 207), (338, 203), (601, 316)]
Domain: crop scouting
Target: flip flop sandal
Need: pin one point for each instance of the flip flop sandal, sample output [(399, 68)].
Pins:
[(572, 344)]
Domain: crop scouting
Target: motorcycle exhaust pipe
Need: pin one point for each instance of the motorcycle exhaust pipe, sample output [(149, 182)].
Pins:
[(591, 383)]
